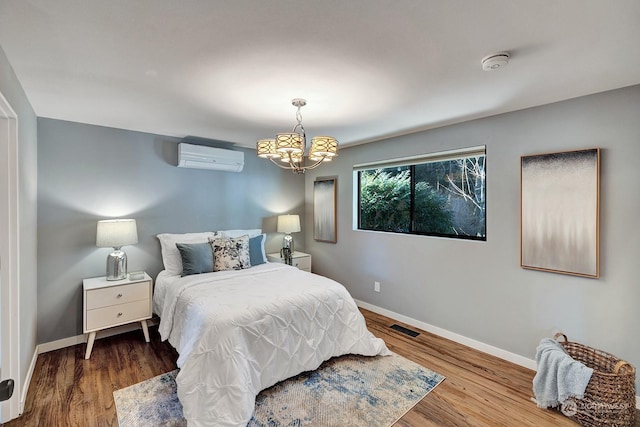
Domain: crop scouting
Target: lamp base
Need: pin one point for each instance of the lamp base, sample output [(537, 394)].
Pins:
[(117, 265), (287, 249), (287, 242)]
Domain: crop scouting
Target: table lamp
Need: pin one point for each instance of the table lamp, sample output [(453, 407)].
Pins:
[(288, 224), (116, 233)]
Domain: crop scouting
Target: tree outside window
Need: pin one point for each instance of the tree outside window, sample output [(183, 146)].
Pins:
[(438, 198)]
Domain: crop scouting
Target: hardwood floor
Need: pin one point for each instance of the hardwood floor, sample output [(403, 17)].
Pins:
[(480, 390)]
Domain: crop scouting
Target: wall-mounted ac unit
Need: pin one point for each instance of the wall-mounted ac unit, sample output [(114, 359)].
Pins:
[(202, 157)]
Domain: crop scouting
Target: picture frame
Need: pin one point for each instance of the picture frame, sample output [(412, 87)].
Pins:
[(560, 212), (324, 209)]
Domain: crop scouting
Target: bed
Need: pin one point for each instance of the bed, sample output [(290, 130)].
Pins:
[(240, 331)]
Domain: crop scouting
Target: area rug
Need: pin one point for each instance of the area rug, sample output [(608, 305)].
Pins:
[(345, 391)]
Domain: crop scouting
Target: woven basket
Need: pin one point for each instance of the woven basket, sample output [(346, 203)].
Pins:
[(609, 399)]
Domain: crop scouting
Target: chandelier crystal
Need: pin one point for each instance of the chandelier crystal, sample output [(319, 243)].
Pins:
[(290, 147)]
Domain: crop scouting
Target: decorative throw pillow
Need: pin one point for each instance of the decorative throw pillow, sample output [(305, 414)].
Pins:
[(196, 258), (231, 254), (256, 250)]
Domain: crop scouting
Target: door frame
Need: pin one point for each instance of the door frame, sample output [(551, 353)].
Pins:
[(9, 254)]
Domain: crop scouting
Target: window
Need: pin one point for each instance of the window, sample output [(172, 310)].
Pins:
[(440, 194)]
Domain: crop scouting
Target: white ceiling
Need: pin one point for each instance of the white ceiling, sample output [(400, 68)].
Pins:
[(227, 70)]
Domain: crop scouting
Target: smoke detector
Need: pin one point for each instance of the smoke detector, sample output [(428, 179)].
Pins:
[(495, 61)]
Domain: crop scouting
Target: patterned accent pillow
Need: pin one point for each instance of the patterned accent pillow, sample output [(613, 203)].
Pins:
[(230, 254)]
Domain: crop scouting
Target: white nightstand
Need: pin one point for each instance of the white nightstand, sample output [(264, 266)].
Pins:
[(114, 303), (298, 259)]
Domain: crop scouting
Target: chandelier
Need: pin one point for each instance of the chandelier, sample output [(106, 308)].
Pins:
[(287, 150)]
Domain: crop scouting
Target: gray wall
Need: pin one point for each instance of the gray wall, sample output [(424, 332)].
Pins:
[(477, 289), (87, 173), (27, 206)]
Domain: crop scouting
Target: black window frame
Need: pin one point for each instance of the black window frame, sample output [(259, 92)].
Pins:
[(412, 162)]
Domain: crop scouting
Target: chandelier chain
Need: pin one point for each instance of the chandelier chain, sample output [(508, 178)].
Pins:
[(300, 126), (299, 115)]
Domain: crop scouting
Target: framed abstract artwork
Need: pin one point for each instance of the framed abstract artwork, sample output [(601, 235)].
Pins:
[(560, 212), (324, 210)]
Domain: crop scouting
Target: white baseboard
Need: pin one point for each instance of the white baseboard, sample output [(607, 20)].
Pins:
[(68, 342), (27, 381), (469, 342), (61, 343), (79, 339), (461, 339)]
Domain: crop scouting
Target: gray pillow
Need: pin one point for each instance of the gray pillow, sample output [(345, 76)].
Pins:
[(256, 250), (196, 258)]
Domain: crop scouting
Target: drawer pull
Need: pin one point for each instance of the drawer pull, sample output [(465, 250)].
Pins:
[(119, 296), (120, 314)]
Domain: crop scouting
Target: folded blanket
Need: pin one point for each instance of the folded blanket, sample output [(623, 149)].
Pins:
[(559, 376)]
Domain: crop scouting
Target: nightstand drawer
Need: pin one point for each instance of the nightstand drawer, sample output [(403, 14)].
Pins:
[(105, 297), (303, 263), (115, 315)]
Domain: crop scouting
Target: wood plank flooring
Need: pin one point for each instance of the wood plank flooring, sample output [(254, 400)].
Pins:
[(480, 390)]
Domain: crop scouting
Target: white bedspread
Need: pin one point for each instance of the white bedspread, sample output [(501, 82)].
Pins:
[(239, 332)]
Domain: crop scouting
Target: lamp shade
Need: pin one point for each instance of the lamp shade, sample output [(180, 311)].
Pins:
[(289, 143), (291, 157), (323, 146), (115, 233), (266, 148), (288, 223)]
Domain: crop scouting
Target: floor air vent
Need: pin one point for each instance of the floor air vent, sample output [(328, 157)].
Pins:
[(405, 330)]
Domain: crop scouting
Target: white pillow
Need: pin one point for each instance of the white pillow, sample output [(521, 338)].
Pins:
[(233, 234), (171, 256)]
